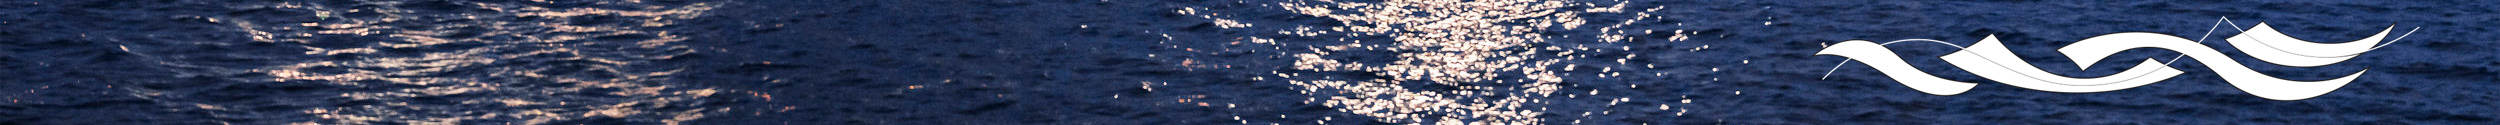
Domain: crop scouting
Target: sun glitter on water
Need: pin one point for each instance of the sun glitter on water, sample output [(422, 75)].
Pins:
[(372, 62), (1453, 61)]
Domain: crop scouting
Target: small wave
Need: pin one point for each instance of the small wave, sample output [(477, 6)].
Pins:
[(436, 62)]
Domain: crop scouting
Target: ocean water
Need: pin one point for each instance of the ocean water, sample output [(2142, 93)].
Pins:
[(1185, 62)]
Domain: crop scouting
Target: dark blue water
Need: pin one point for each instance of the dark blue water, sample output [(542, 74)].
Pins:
[(1183, 62)]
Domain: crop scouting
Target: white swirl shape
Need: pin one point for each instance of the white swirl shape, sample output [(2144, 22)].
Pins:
[(1989, 59)]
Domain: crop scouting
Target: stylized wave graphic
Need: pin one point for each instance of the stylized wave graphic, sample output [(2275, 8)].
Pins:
[(1989, 59)]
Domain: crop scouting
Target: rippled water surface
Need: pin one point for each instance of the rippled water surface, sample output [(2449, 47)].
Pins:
[(395, 62), (758, 62)]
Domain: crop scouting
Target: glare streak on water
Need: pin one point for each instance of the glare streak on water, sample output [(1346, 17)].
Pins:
[(1494, 53), (452, 62)]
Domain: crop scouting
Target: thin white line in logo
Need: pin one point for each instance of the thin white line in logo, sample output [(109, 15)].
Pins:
[(1990, 59)]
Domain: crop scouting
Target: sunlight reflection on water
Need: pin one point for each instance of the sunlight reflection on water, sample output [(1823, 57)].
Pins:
[(1452, 61), (455, 62)]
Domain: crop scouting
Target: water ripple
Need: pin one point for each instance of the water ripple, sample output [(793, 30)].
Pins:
[(436, 62)]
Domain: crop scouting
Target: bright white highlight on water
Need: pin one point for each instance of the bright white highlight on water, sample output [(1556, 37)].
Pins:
[(1491, 51)]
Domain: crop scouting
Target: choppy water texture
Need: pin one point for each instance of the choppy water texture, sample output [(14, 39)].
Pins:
[(369, 62), (1177, 62)]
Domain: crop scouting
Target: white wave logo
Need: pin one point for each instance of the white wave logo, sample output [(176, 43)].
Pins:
[(1990, 59)]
